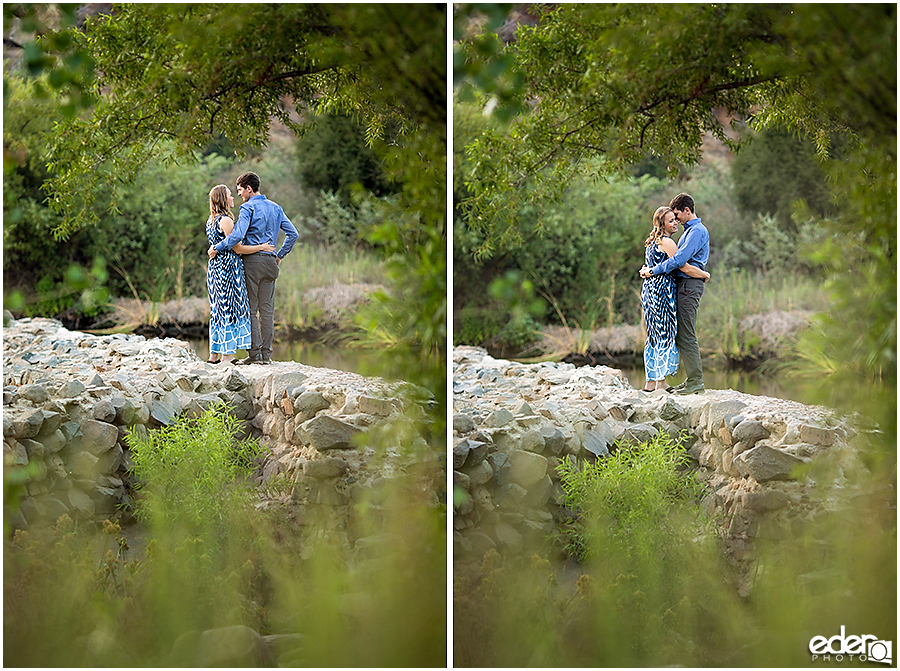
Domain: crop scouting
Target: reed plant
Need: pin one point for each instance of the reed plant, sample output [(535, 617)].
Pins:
[(734, 294), (313, 266)]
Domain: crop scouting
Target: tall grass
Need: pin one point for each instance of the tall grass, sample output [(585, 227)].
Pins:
[(656, 589), (75, 597), (733, 294), (313, 266)]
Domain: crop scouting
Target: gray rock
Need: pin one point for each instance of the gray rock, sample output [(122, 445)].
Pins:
[(461, 480), (125, 410), (165, 409), (508, 537), (478, 449), (235, 381), (749, 432), (200, 404), (29, 425), (311, 402), (104, 411), (380, 407), (621, 412), (43, 509), (636, 434), (817, 435), (81, 505), (539, 494), (524, 410), (98, 437), (527, 468), (33, 448), (280, 383), (500, 417), (532, 441), (54, 442), (324, 432), (18, 455), (501, 467), (598, 440), (671, 411), (52, 422), (765, 500), (764, 463), (71, 389), (460, 453), (554, 439), (718, 410), (72, 433), (325, 469), (510, 497), (463, 423), (479, 473), (555, 376), (34, 393), (166, 381)]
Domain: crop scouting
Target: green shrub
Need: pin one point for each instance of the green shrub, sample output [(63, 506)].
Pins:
[(192, 472), (627, 501)]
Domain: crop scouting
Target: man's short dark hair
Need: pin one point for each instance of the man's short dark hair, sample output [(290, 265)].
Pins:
[(682, 202), (250, 179)]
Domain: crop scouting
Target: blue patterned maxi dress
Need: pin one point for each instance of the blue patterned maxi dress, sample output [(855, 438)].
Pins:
[(658, 302), (229, 311)]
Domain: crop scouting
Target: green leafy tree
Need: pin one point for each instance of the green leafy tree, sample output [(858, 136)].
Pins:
[(333, 156), (775, 171)]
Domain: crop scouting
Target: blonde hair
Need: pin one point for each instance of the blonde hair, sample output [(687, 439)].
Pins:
[(218, 201), (659, 218)]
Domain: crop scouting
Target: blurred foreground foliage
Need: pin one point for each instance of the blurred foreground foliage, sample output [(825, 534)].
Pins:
[(209, 555)]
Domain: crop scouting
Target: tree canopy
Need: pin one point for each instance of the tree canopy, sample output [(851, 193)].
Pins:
[(626, 80), (190, 72)]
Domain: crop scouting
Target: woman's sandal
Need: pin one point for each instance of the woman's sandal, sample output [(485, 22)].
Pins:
[(211, 361)]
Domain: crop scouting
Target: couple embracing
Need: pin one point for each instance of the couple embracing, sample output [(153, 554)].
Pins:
[(674, 276), (240, 287)]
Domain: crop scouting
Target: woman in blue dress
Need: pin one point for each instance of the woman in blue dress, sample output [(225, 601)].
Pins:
[(658, 301), (229, 311)]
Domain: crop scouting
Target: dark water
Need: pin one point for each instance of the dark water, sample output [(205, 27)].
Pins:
[(772, 384), (363, 361)]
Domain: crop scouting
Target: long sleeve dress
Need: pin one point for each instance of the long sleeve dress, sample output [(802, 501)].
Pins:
[(229, 310), (658, 302)]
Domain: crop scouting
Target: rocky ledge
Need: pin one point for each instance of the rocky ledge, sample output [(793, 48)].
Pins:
[(514, 422), (69, 398)]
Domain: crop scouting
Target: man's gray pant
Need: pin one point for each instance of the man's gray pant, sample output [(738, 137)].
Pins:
[(261, 271), (689, 292)]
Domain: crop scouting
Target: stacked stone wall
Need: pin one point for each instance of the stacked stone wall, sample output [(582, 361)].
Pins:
[(514, 422), (69, 398)]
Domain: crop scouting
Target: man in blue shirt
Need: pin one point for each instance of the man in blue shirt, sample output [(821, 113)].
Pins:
[(693, 248), (259, 222)]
